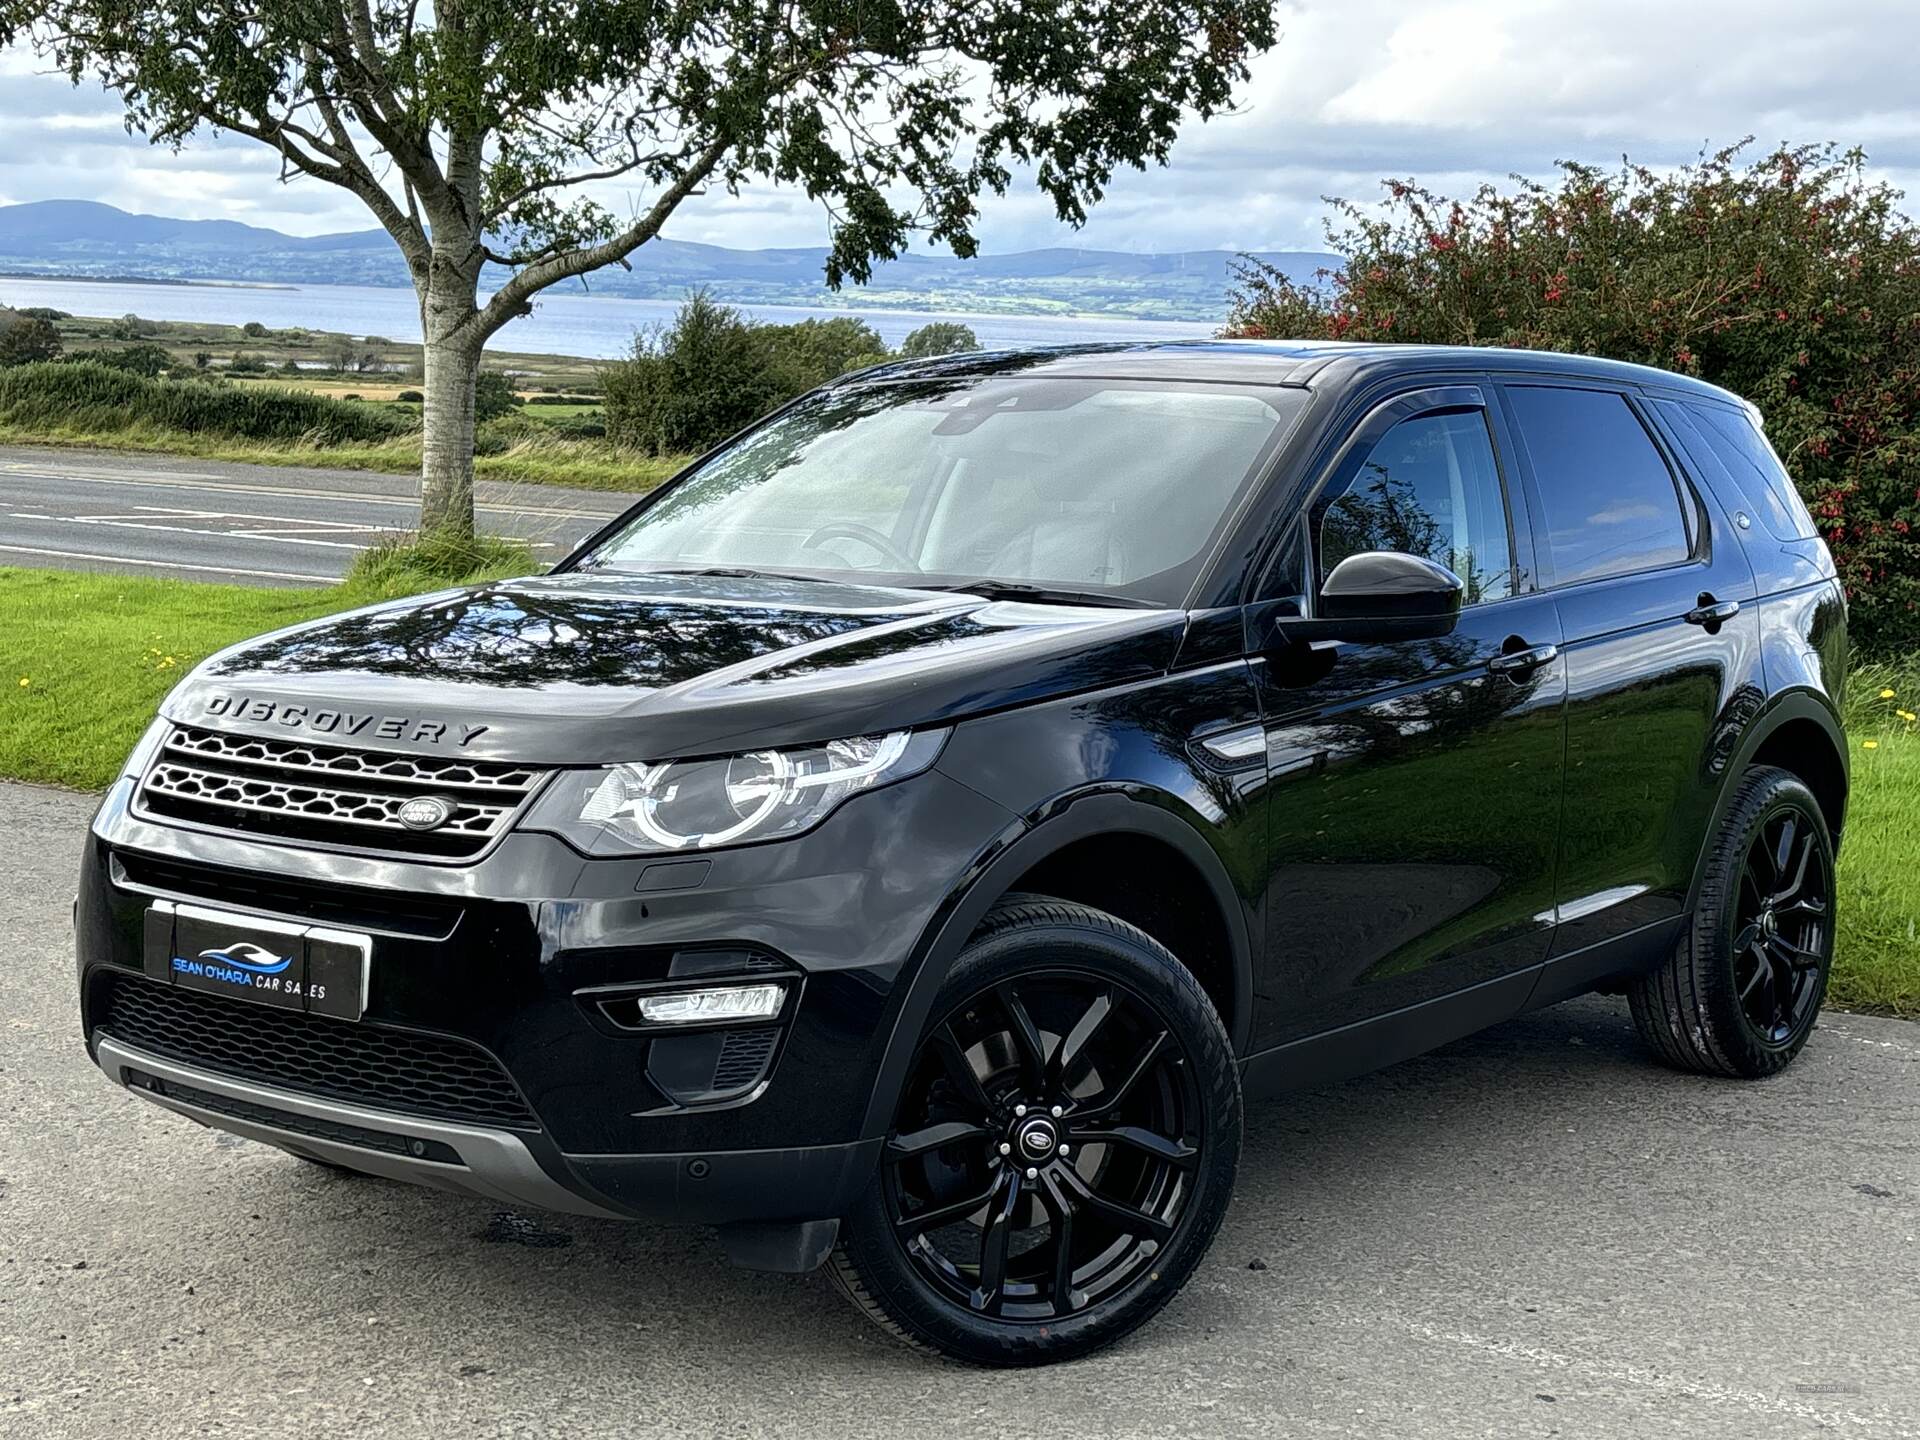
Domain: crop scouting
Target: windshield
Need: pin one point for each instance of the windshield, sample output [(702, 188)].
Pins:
[(1109, 487)]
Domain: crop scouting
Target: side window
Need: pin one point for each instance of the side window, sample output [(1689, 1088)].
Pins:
[(1726, 442), (1429, 487), (1611, 503)]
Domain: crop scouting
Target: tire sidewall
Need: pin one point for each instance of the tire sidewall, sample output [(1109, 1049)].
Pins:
[(1753, 1053), (1045, 936)]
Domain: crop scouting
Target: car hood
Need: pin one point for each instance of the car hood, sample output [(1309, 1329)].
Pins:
[(590, 669)]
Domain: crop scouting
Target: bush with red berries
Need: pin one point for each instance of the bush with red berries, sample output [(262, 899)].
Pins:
[(1790, 279)]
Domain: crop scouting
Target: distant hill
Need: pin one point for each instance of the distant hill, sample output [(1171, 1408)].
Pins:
[(83, 238)]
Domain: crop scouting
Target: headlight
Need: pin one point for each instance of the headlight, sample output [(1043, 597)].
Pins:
[(728, 800)]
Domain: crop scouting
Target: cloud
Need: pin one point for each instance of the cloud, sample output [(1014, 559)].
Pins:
[(1454, 92)]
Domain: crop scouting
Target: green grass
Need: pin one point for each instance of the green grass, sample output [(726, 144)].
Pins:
[(538, 460), (1878, 966), (90, 656)]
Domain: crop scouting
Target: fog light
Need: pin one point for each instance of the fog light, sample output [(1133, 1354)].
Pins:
[(704, 1007)]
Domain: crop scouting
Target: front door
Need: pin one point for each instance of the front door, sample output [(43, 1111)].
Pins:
[(1414, 785)]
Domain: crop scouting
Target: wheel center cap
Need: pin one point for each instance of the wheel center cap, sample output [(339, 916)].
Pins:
[(1769, 924), (1037, 1139)]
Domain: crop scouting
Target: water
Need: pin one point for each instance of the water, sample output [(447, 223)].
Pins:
[(595, 326)]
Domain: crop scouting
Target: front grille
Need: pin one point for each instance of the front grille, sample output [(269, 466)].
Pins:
[(292, 790), (401, 1070)]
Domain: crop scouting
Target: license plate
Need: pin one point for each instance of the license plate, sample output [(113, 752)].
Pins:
[(279, 963)]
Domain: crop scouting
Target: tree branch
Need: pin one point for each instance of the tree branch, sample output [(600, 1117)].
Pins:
[(511, 298)]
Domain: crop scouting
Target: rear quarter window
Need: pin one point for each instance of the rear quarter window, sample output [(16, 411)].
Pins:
[(1611, 504), (1726, 443)]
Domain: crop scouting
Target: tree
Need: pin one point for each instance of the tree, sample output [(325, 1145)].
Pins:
[(26, 338), (942, 337), (1789, 279), (467, 127)]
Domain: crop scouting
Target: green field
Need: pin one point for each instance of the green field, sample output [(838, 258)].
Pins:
[(90, 656)]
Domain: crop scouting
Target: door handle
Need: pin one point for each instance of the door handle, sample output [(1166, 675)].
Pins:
[(1713, 613), (1518, 662)]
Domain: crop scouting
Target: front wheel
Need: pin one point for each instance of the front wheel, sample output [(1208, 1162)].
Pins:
[(1064, 1147)]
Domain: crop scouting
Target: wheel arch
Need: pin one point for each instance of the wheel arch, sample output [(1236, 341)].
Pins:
[(1797, 731), (1085, 825)]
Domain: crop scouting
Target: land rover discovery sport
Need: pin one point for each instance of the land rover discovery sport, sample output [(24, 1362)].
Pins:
[(902, 839)]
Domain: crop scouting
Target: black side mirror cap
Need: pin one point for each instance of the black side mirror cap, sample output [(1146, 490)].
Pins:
[(1381, 595)]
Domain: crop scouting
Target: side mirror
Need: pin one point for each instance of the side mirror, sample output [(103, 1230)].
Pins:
[(1382, 595)]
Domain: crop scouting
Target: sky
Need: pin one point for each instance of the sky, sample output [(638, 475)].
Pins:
[(1453, 92)]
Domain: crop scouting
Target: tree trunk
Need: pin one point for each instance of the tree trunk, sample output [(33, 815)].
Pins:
[(452, 356)]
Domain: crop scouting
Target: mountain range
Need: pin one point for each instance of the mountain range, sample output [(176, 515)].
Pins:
[(85, 239)]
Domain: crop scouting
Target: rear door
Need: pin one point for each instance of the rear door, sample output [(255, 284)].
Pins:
[(1414, 785), (1658, 628)]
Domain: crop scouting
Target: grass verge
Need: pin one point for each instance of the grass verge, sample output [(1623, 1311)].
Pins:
[(581, 464), (1878, 967), (90, 656)]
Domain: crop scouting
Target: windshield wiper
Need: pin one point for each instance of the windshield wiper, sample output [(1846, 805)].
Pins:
[(737, 572), (1046, 594)]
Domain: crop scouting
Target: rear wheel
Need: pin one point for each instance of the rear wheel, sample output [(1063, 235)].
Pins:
[(1063, 1150), (1741, 991)]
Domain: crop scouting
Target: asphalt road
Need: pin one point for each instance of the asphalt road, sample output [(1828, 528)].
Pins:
[(242, 524), (1531, 1233)]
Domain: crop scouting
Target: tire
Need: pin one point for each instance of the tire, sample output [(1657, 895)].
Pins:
[(1742, 990), (1129, 1126)]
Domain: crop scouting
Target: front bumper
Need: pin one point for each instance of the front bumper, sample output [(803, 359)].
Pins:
[(505, 957)]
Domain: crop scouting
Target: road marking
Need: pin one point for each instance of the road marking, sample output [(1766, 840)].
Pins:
[(195, 530), (16, 469), (170, 565)]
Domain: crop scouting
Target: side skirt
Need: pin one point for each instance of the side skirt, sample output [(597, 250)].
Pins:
[(1369, 1045)]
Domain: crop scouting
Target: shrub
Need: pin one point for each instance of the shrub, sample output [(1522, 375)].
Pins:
[(143, 359), (942, 337), (812, 352), (132, 327), (42, 312), (409, 397), (493, 396), (246, 364), (253, 330), (690, 384), (1791, 280), (25, 339), (577, 427), (89, 396)]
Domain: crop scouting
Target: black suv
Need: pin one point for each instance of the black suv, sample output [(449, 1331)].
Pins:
[(902, 840)]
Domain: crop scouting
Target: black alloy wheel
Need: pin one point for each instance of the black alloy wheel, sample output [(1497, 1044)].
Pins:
[(1062, 1149), (1784, 916), (1741, 991)]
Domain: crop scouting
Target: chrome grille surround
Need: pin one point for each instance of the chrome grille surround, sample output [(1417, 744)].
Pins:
[(331, 795)]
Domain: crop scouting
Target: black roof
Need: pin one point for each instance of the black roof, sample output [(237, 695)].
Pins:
[(1279, 362)]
